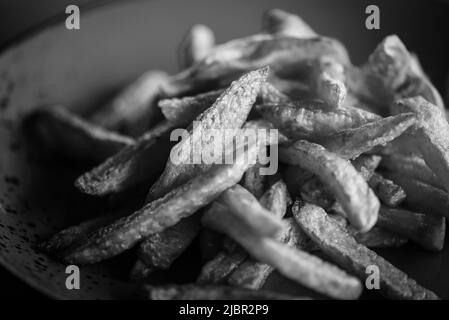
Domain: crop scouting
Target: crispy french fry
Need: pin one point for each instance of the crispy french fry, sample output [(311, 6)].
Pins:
[(195, 45), (388, 192), (221, 266), (277, 21), (425, 230), (271, 94), (288, 57), (329, 82), (422, 197), (245, 206), (359, 203), (228, 112), (134, 109), (132, 166), (351, 143), (68, 135), (254, 182), (378, 237), (432, 134), (313, 120), (297, 265), (366, 165), (161, 249), (156, 216), (194, 292), (342, 248), (413, 166)]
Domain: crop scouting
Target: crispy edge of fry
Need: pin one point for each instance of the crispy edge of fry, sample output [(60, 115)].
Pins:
[(116, 173), (294, 264), (388, 192), (345, 251), (254, 182), (221, 266), (350, 189), (366, 165), (351, 143), (164, 212), (424, 230), (329, 82), (379, 237)]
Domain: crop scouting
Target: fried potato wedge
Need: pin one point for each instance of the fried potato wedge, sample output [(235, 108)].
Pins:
[(229, 111), (294, 264), (195, 45), (133, 165), (134, 108), (425, 230), (313, 120), (342, 248), (66, 134), (359, 203), (195, 292), (432, 134)]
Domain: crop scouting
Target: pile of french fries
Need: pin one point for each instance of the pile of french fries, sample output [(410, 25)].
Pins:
[(363, 153)]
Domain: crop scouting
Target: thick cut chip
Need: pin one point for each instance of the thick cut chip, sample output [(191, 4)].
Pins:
[(195, 292), (425, 230), (366, 165), (228, 112), (388, 192), (134, 109), (132, 166), (342, 248), (359, 203), (297, 265), (378, 237), (64, 133), (221, 266), (432, 134), (196, 44), (313, 120)]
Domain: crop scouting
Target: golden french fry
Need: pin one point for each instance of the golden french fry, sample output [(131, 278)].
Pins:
[(342, 248), (359, 203)]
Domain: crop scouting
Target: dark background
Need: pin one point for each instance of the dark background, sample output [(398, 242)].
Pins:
[(422, 25)]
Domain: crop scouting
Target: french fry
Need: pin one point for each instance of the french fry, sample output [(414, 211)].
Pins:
[(161, 249), (287, 57), (432, 134), (64, 133), (366, 165), (351, 143), (277, 21), (221, 266), (129, 167), (359, 203), (195, 292), (182, 111), (313, 120), (244, 205), (271, 94), (294, 264), (425, 230), (378, 237), (134, 109), (195, 45), (413, 166), (342, 248), (228, 112), (422, 197), (388, 192), (254, 182), (329, 82), (163, 213)]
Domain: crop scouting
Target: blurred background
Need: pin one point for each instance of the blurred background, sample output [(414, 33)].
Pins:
[(422, 25)]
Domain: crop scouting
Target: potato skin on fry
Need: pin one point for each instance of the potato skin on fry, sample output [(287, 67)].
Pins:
[(313, 120), (350, 189), (344, 250)]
